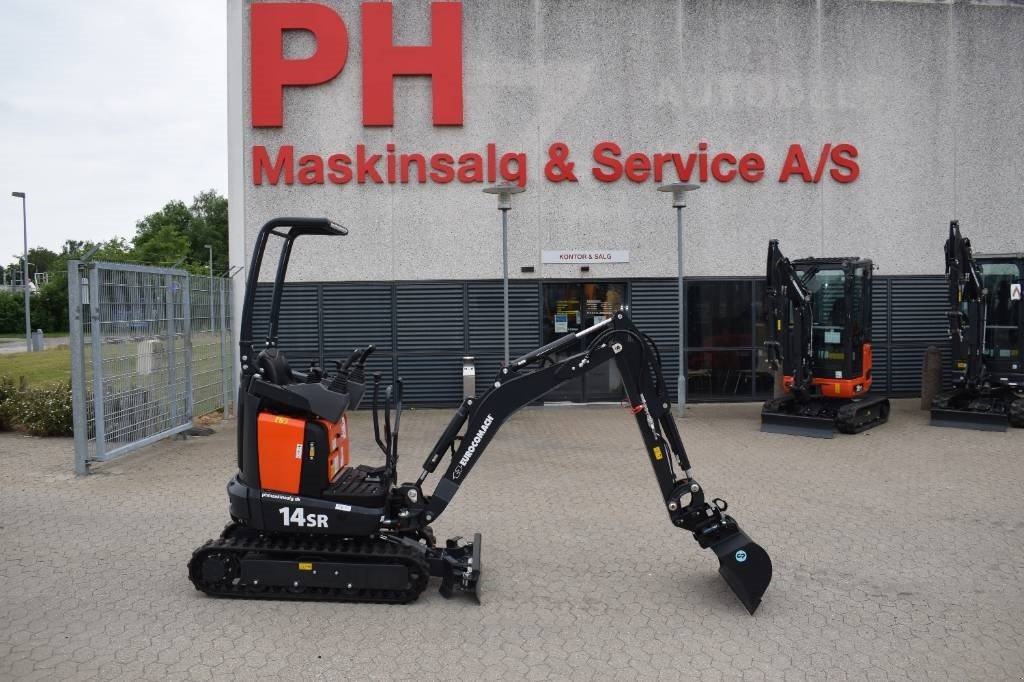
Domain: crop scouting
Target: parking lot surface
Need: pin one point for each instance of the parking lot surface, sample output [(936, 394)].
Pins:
[(898, 553)]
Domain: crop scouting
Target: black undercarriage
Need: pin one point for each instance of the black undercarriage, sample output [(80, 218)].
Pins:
[(820, 418), (393, 569)]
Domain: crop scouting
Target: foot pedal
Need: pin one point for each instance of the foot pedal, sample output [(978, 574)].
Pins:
[(460, 568)]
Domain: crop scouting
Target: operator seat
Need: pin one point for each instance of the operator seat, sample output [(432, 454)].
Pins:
[(274, 367)]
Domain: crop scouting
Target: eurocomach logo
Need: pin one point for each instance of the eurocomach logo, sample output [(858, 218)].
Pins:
[(383, 61)]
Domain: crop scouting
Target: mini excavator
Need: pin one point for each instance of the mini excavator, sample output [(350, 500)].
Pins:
[(819, 333), (306, 525), (986, 327)]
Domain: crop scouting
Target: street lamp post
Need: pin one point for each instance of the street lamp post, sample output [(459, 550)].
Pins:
[(679, 190), (504, 193), (24, 282)]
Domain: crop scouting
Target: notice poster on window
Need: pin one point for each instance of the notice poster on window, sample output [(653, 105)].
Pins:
[(561, 323), (1015, 291)]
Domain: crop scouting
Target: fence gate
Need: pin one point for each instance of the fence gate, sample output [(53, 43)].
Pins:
[(148, 346)]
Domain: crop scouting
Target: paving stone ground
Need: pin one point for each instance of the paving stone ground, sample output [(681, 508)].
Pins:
[(897, 553)]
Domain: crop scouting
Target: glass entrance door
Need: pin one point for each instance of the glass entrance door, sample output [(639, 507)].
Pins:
[(568, 308)]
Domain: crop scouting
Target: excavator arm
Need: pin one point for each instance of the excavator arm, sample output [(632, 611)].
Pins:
[(790, 316), (967, 308), (745, 566)]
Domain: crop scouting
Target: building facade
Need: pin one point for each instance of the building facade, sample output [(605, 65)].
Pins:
[(839, 128)]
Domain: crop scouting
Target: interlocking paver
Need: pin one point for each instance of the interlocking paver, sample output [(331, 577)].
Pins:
[(897, 555)]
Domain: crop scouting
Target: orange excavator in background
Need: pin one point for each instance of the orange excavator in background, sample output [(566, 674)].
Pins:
[(819, 334)]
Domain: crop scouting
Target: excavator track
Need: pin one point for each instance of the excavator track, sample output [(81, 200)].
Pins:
[(861, 415), (243, 563)]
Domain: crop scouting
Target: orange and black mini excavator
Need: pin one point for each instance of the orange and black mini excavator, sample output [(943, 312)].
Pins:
[(819, 332), (986, 327), (307, 525)]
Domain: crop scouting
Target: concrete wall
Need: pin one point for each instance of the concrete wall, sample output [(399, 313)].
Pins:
[(931, 94)]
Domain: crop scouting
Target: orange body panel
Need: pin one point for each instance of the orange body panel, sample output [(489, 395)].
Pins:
[(280, 442), (840, 388), (337, 438)]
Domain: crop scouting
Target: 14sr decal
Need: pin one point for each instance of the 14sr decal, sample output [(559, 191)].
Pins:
[(299, 517)]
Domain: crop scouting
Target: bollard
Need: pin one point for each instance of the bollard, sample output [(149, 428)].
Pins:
[(931, 376), (37, 340), (468, 377)]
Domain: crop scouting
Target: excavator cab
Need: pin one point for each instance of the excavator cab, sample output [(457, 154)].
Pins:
[(819, 336), (840, 291), (1002, 276)]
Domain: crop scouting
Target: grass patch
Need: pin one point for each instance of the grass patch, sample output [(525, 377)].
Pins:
[(45, 367)]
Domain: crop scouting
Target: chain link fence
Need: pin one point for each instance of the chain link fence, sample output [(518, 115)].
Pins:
[(150, 351)]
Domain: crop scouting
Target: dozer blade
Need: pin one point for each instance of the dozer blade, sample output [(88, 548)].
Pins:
[(967, 419), (797, 425), (746, 567)]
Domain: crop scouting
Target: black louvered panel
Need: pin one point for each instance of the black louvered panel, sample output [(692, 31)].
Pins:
[(431, 379), (654, 307), (880, 311), (431, 318), (918, 313), (298, 327), (880, 369), (356, 314), (907, 361), (486, 312)]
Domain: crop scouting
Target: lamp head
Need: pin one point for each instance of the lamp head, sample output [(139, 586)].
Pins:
[(504, 193), (678, 190)]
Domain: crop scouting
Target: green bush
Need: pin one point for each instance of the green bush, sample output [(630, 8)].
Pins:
[(44, 411), (7, 403), (50, 306), (12, 313)]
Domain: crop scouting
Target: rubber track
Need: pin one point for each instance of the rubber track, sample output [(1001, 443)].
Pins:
[(847, 416), (240, 542)]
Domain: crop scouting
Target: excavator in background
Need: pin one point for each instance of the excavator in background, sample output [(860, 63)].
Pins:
[(819, 334), (987, 333), (306, 525)]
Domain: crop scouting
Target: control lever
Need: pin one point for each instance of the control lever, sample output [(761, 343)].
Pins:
[(315, 374), (393, 458), (376, 421), (357, 375), (387, 423), (340, 382), (351, 359)]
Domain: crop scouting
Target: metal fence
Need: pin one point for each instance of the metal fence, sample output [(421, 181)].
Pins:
[(150, 351)]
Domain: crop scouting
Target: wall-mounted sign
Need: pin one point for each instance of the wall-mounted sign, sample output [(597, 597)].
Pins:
[(585, 256), (441, 60)]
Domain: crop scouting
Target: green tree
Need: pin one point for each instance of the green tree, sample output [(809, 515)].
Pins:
[(164, 245), (204, 222), (209, 226)]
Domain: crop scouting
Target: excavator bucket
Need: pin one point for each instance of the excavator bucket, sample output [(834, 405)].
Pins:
[(746, 567)]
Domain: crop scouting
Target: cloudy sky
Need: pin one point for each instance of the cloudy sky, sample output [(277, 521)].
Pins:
[(108, 109)]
